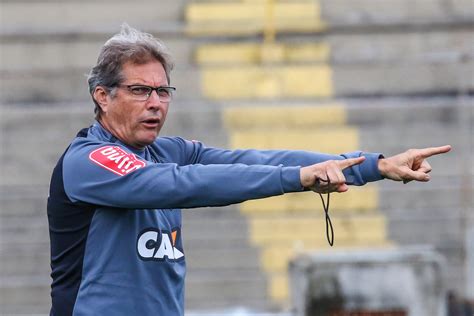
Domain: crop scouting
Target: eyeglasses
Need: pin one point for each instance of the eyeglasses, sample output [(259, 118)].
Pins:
[(142, 92)]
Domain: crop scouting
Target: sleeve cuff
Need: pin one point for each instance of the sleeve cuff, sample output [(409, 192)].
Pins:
[(369, 168), (290, 179)]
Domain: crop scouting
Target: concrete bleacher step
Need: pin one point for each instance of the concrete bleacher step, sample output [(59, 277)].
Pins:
[(317, 139), (232, 284), (218, 308), (392, 112), (33, 299), (436, 193), (210, 228), (211, 257), (414, 135), (402, 79), (248, 18), (48, 54), (320, 81), (35, 16), (23, 203), (288, 229), (225, 289), (25, 229), (396, 12), (71, 85), (445, 232), (410, 45), (286, 115), (22, 309), (427, 46), (363, 112), (32, 260)]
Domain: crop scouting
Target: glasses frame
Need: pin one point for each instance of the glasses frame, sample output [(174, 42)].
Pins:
[(156, 89)]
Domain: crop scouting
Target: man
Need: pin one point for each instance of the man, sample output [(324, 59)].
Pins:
[(116, 193)]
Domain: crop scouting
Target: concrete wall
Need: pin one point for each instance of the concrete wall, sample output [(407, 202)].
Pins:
[(406, 280)]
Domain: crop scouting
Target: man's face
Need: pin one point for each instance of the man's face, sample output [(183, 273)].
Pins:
[(136, 123)]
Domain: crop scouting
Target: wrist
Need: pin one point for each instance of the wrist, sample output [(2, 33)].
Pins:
[(304, 178), (382, 167)]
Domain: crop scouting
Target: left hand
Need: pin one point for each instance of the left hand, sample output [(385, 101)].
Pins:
[(327, 176), (410, 165)]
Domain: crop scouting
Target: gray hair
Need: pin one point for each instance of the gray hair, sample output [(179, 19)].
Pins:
[(130, 45)]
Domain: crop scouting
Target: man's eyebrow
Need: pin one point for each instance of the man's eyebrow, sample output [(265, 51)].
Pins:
[(138, 84), (145, 85)]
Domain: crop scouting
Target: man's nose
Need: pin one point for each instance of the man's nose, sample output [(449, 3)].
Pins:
[(154, 100)]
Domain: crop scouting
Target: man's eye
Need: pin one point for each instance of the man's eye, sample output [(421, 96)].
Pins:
[(138, 90), (163, 92)]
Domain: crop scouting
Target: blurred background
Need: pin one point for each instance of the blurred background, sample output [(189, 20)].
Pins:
[(322, 75)]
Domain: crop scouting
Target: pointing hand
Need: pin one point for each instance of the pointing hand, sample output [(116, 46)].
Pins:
[(410, 165), (327, 176)]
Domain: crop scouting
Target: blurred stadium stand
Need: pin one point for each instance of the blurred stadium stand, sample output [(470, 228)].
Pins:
[(333, 76)]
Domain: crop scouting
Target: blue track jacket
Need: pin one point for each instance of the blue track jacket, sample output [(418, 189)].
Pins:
[(115, 214)]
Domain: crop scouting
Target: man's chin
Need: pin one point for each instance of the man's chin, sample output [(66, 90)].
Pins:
[(149, 137)]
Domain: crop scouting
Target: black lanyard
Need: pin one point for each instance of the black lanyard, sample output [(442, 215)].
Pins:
[(329, 227)]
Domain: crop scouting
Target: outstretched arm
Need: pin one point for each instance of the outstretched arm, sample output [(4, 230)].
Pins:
[(197, 153)]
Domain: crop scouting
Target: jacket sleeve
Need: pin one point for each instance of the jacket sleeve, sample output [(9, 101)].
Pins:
[(89, 177), (356, 175)]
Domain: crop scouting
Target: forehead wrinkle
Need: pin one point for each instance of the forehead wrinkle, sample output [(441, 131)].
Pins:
[(141, 74)]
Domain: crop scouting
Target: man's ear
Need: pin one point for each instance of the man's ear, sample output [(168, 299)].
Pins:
[(101, 97)]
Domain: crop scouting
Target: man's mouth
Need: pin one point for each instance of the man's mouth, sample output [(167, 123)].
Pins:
[(151, 122)]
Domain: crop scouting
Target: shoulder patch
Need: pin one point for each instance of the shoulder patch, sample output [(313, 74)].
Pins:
[(115, 159)]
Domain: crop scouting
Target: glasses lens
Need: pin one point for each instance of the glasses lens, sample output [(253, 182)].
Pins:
[(164, 93), (140, 92)]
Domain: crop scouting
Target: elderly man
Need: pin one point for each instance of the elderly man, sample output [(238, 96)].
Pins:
[(116, 193)]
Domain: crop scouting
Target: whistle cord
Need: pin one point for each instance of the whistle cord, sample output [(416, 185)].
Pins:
[(329, 227)]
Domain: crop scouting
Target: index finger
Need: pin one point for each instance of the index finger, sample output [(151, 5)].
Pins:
[(431, 151), (349, 162)]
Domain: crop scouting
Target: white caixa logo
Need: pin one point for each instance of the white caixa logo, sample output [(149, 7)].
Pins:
[(158, 245)]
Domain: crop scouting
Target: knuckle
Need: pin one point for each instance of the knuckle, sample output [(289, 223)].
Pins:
[(404, 174), (335, 181)]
